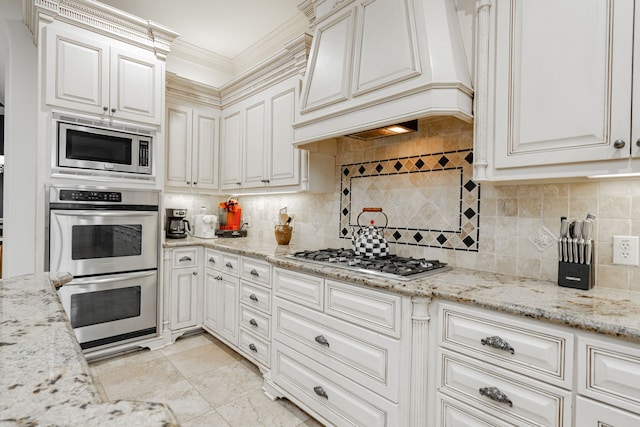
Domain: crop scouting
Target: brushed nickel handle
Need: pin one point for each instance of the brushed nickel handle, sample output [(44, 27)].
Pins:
[(253, 348), (253, 322), (253, 297), (254, 273), (320, 339), (497, 342), (495, 394), (619, 144), (185, 258), (320, 392)]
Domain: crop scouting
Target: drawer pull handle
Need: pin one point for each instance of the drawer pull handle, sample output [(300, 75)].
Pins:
[(228, 264), (253, 348), (320, 392), (253, 322), (497, 342), (218, 277), (185, 258), (254, 272), (212, 260), (494, 393), (320, 339), (253, 297)]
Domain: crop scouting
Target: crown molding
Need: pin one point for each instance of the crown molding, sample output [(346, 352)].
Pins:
[(100, 18), (189, 90), (205, 58)]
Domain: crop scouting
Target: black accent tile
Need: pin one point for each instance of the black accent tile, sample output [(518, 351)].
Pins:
[(397, 235), (345, 231), (443, 161), (346, 172), (345, 211), (397, 166), (470, 185), (441, 239), (419, 164), (469, 158), (468, 241), (379, 168), (345, 191), (362, 170), (418, 237), (469, 213)]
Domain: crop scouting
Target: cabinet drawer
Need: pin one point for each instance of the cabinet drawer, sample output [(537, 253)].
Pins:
[(333, 397), (185, 257), (255, 321), (255, 348), (299, 288), (255, 271), (526, 401), (368, 358), (529, 349), (372, 309), (230, 264), (595, 414), (255, 296), (451, 413), (609, 371), (213, 259)]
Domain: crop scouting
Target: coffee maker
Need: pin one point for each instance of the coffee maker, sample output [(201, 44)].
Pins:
[(177, 225)]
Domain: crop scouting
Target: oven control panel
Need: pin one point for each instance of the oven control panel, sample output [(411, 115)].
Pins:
[(90, 196)]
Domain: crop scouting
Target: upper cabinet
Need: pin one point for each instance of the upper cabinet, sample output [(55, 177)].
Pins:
[(90, 73), (555, 91), (379, 62)]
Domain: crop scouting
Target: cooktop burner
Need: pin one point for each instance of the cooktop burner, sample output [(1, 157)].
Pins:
[(397, 267)]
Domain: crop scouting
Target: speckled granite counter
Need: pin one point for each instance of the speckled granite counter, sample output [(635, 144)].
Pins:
[(44, 378), (606, 311)]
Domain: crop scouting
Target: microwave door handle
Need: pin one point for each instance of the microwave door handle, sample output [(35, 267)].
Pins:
[(113, 278)]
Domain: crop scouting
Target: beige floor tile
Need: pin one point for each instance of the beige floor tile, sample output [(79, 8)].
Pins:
[(225, 384), (182, 397), (210, 419), (130, 381), (140, 356), (311, 423), (201, 359), (256, 409), (188, 342)]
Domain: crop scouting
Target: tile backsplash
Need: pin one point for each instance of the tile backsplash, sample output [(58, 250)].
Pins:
[(517, 224)]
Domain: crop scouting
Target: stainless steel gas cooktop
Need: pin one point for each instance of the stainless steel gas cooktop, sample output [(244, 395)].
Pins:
[(392, 266)]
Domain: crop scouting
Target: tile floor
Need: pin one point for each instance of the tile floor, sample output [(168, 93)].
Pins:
[(205, 383)]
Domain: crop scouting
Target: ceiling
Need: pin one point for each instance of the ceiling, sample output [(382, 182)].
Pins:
[(223, 27)]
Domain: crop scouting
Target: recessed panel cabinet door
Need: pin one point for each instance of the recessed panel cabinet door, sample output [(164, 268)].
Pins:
[(255, 140), (184, 298), (231, 151), (205, 151), (285, 158), (563, 81), (178, 164)]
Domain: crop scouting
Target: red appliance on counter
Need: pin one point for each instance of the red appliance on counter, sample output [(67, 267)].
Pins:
[(230, 217)]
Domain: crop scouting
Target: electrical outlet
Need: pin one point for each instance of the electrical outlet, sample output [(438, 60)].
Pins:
[(625, 250)]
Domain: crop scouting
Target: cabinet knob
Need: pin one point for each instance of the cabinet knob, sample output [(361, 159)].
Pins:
[(253, 297), (195, 273), (218, 277), (253, 322), (188, 182), (195, 183), (638, 142), (212, 260), (497, 342), (105, 108), (254, 273), (253, 348), (619, 144), (113, 110), (229, 265), (320, 392), (238, 184), (320, 339), (495, 394)]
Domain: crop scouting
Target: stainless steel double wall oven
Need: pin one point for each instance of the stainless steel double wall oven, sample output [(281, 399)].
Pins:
[(108, 240)]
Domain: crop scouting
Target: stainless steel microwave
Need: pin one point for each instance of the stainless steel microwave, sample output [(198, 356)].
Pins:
[(102, 149)]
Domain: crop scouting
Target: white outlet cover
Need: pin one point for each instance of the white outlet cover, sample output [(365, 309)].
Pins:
[(625, 250)]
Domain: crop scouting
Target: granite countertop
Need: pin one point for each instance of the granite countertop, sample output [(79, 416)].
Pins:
[(44, 377), (602, 310)]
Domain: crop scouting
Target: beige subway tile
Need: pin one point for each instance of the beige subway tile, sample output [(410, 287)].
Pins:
[(555, 190), (506, 264), (555, 207), (634, 279), (583, 189), (612, 276), (507, 207), (528, 267), (614, 207), (607, 228), (579, 207), (530, 207)]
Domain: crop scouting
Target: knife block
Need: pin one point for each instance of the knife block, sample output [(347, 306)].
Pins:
[(577, 276)]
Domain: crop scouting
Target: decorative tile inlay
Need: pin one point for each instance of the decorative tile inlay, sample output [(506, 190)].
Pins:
[(429, 200), (543, 238)]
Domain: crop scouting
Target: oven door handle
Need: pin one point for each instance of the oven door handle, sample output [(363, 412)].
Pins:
[(102, 213), (113, 278)]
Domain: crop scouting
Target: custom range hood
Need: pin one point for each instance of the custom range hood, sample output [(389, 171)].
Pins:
[(374, 63)]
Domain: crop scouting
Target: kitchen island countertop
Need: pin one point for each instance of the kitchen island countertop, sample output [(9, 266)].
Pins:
[(606, 311), (44, 377)]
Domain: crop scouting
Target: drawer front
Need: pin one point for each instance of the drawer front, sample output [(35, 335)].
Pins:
[(299, 288), (367, 358), (590, 413), (255, 348), (336, 399), (528, 349), (255, 271), (372, 309), (185, 257), (503, 394), (256, 297), (255, 321), (230, 264), (609, 371), (451, 413), (213, 259)]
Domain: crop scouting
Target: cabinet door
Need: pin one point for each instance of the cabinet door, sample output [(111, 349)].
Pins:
[(77, 72), (205, 150), (212, 284), (563, 81), (590, 413), (184, 298), (136, 85), (231, 151), (178, 142), (228, 308), (255, 141), (284, 157)]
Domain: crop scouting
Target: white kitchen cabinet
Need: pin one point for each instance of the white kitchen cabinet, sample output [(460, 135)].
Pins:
[(90, 73), (192, 146), (231, 150), (221, 295), (555, 89), (590, 413), (185, 290)]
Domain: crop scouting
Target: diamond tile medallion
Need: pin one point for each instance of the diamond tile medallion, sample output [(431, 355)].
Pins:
[(428, 200)]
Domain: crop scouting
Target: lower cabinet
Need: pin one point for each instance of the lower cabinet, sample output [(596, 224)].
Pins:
[(221, 293), (590, 413), (185, 292)]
